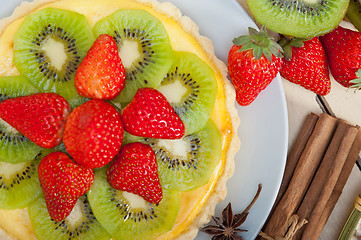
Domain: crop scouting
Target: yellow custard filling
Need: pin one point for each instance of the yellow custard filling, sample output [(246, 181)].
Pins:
[(181, 39)]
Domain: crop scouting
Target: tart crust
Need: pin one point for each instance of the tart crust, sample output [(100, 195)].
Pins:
[(230, 139)]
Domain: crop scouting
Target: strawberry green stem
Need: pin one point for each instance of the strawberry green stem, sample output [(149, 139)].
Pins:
[(260, 43)]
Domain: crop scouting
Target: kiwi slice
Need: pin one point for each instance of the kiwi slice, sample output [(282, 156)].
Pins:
[(143, 46), (48, 47), (19, 183), (80, 224), (299, 18), (186, 163), (354, 13), (128, 216), (15, 147), (190, 87), (15, 86)]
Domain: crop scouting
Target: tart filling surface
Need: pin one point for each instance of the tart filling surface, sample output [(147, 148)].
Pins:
[(197, 205)]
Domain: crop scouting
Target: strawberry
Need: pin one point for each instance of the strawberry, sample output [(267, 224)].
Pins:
[(135, 170), (151, 115), (306, 64), (101, 74), (39, 117), (63, 182), (343, 50), (253, 62), (93, 133)]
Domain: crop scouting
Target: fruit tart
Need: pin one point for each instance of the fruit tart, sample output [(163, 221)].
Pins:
[(52, 47)]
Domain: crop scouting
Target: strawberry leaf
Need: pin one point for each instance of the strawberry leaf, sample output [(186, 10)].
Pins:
[(257, 53), (356, 83), (287, 52), (298, 42), (253, 32), (260, 43), (267, 53), (287, 45), (241, 40)]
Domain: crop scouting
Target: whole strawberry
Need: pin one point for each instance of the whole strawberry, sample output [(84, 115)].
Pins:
[(343, 50), (253, 62), (39, 117), (151, 115), (306, 64), (135, 170), (63, 182), (93, 133), (101, 74)]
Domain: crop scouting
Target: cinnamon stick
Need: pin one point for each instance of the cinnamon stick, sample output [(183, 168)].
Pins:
[(305, 170), (325, 179), (318, 182), (345, 173), (295, 153)]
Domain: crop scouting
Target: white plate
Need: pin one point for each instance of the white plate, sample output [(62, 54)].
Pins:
[(264, 125)]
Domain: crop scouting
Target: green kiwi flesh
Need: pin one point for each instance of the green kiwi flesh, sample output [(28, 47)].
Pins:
[(80, 224), (15, 147), (299, 18), (48, 47), (19, 183), (143, 46), (191, 88), (186, 163), (354, 13), (128, 216)]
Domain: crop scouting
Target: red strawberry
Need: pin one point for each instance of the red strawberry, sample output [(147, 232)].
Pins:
[(253, 62), (101, 74), (343, 50), (306, 65), (93, 133), (151, 115), (135, 170), (39, 117), (63, 182)]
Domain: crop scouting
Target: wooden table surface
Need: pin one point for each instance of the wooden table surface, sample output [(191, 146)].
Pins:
[(346, 104)]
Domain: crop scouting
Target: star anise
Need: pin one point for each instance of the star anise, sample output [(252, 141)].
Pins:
[(227, 229)]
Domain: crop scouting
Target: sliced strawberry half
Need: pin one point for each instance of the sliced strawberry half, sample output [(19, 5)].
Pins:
[(135, 170), (39, 117), (151, 115), (101, 74), (93, 133), (63, 182)]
